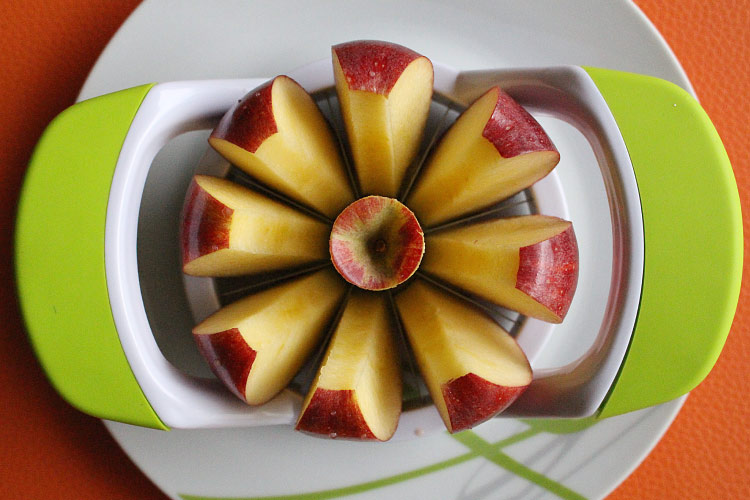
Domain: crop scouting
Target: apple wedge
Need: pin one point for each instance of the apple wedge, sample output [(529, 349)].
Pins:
[(494, 150), (385, 91), (472, 367), (229, 230), (277, 135), (376, 243), (528, 264), (256, 345), (357, 391)]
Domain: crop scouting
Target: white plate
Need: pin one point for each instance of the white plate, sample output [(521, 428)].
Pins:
[(504, 458)]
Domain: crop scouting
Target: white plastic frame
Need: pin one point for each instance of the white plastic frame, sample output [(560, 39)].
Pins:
[(573, 390)]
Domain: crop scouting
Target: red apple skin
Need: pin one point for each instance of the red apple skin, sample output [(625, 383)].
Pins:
[(512, 130), (409, 260), (346, 263), (471, 400), (229, 357), (350, 266), (372, 65), (249, 122), (548, 271), (205, 224), (335, 413)]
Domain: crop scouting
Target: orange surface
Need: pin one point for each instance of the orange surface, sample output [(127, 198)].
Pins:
[(50, 451)]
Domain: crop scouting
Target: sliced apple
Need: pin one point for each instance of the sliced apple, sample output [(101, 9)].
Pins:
[(528, 264), (385, 91), (494, 150), (278, 135), (376, 243), (357, 391), (256, 345), (229, 230), (472, 367)]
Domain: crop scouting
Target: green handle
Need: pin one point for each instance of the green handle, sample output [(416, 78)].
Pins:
[(693, 239), (60, 259)]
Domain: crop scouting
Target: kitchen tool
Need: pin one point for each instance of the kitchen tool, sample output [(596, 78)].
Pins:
[(659, 312)]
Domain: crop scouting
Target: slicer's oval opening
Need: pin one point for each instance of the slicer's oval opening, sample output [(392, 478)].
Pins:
[(585, 188)]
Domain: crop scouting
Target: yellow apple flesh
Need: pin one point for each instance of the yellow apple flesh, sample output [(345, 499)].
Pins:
[(229, 230), (528, 264), (357, 391), (256, 345), (385, 91), (472, 367), (494, 150), (277, 135)]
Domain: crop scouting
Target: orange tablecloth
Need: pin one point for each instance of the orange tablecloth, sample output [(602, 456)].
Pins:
[(50, 451)]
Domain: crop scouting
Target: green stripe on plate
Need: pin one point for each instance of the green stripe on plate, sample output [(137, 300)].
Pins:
[(478, 448)]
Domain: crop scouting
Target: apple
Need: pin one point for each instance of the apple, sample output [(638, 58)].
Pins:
[(357, 391), (528, 264), (256, 345), (472, 367), (385, 92), (376, 243), (229, 230), (494, 150), (277, 135)]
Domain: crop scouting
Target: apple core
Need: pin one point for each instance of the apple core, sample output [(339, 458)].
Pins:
[(376, 243)]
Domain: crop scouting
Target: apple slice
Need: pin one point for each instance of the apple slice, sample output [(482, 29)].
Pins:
[(376, 243), (385, 91), (229, 230), (357, 391), (472, 367), (494, 150), (278, 135), (256, 345), (528, 264)]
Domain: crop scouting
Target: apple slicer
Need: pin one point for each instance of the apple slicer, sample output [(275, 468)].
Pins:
[(643, 176)]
